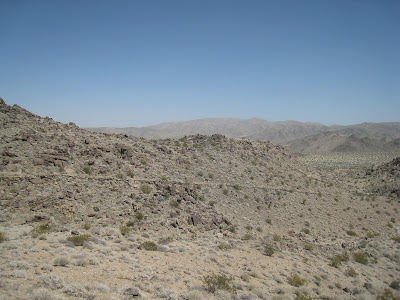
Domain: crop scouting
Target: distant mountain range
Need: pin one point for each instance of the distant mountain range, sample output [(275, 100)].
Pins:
[(300, 137)]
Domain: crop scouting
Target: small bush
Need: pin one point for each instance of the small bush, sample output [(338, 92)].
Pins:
[(216, 282), (351, 272), (302, 297), (308, 246), (87, 170), (174, 204), (306, 230), (3, 237), (351, 232), (61, 261), (360, 257), (149, 246), (387, 295), (125, 230), (247, 236), (269, 221), (40, 229), (396, 238), (164, 241), (337, 260), (120, 176), (129, 174), (277, 237), (145, 189), (225, 192), (296, 280), (236, 187), (224, 246), (79, 239), (86, 225), (269, 250)]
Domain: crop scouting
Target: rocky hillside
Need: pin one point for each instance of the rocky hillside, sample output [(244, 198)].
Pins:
[(384, 179), (332, 142), (103, 216)]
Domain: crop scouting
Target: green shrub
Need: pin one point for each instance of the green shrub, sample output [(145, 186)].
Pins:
[(86, 226), (302, 297), (225, 192), (216, 282), (336, 261), (236, 187), (277, 237), (306, 230), (360, 257), (139, 216), (351, 232), (296, 280), (308, 246), (120, 176), (269, 221), (149, 246), (387, 295), (146, 189), (79, 239), (87, 170), (40, 229), (269, 250), (129, 174), (3, 237), (351, 272), (396, 238), (125, 230)]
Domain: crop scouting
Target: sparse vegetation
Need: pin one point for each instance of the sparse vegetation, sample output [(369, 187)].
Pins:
[(360, 257), (40, 230), (215, 282), (145, 188), (3, 237), (149, 246), (296, 280), (61, 261), (125, 230), (78, 239)]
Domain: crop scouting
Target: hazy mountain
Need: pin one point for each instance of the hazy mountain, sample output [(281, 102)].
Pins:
[(255, 129), (333, 142)]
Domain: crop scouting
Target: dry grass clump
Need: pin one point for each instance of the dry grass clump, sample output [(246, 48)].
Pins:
[(145, 189), (360, 257), (125, 230), (3, 237), (61, 261), (337, 260)]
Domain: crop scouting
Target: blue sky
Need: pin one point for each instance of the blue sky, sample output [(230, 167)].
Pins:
[(136, 63)]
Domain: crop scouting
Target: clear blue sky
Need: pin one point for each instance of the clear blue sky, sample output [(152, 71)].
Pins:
[(136, 63)]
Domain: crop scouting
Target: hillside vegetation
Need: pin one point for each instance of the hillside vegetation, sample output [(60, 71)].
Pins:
[(104, 216)]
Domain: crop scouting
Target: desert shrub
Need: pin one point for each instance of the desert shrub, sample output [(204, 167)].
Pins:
[(143, 161), (225, 191), (269, 221), (396, 238), (216, 282), (224, 246), (86, 225), (79, 239), (360, 257), (247, 236), (302, 297), (120, 176), (387, 295), (81, 262), (174, 204), (125, 230), (296, 280), (61, 261), (395, 285), (308, 246), (351, 272), (129, 174), (337, 260), (164, 241), (145, 189), (87, 170), (51, 281), (306, 230), (269, 250), (40, 229), (236, 187), (277, 237), (139, 216), (372, 234), (351, 232), (3, 237), (149, 246)]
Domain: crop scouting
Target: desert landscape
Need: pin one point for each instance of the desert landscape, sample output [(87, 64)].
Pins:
[(94, 215)]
